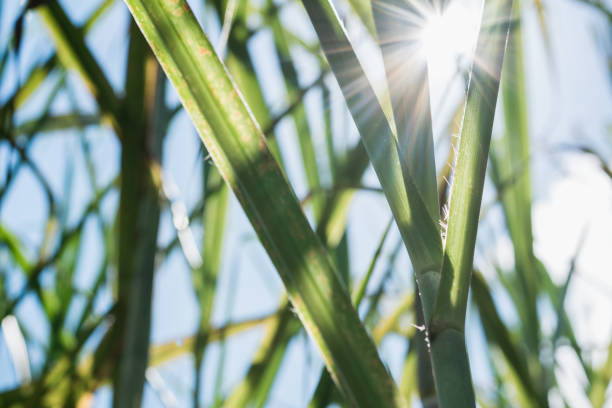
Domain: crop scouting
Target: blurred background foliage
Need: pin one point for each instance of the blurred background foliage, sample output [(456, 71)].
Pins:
[(125, 260)]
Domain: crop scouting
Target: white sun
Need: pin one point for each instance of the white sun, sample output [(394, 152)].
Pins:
[(448, 39)]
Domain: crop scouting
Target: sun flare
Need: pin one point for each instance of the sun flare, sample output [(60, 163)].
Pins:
[(448, 39)]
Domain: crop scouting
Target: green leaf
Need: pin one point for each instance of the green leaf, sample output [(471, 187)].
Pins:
[(597, 389), (10, 241), (309, 161), (325, 386), (497, 334), (420, 232), (238, 148), (407, 80), (408, 379), (57, 122), (35, 77), (74, 54), (331, 225), (241, 67), (363, 9), (510, 161), (255, 389), (449, 356), (205, 278), (469, 173), (138, 217)]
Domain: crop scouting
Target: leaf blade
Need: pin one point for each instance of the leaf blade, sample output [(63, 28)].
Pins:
[(237, 146)]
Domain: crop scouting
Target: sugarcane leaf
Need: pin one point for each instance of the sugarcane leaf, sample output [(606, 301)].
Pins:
[(399, 25), (58, 122), (238, 148), (138, 217), (420, 232), (510, 161), (74, 54), (254, 390), (497, 333), (289, 70), (469, 173), (13, 244), (598, 387), (240, 66), (325, 385), (363, 9), (449, 356), (205, 278)]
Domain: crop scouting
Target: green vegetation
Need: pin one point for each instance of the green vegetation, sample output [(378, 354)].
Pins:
[(341, 309)]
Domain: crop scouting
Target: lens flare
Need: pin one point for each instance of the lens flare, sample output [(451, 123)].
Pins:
[(448, 39)]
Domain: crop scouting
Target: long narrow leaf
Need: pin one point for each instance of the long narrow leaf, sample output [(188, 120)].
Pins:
[(139, 211), (449, 356), (419, 230), (237, 146), (311, 169), (510, 158), (74, 54), (399, 24), (498, 334), (205, 278)]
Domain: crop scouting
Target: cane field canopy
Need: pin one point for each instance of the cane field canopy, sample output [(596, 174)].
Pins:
[(306, 203)]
